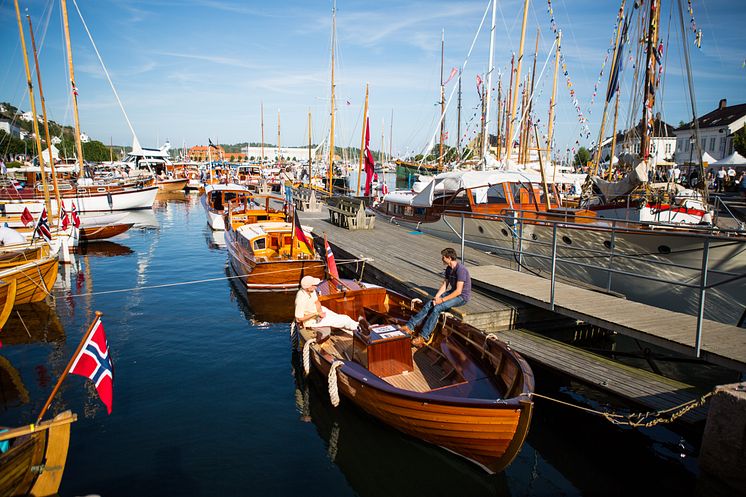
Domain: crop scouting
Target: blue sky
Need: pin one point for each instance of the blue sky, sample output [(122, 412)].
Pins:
[(189, 70)]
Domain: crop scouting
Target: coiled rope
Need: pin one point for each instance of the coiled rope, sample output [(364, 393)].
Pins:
[(294, 334), (307, 355), (333, 390)]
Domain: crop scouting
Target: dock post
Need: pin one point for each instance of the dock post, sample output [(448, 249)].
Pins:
[(702, 290), (463, 222), (554, 264), (611, 255), (520, 244)]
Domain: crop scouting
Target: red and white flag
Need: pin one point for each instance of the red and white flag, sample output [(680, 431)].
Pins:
[(479, 85), (75, 217), (94, 362), (26, 217), (370, 164), (454, 72), (64, 219), (331, 264), (42, 227), (75, 88)]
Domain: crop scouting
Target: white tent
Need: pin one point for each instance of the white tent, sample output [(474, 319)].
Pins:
[(734, 159), (707, 158), (55, 153)]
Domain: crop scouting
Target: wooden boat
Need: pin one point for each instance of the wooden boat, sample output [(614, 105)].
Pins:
[(34, 279), (217, 197), (35, 462), (171, 184), (7, 299), (91, 233), (268, 257), (464, 392)]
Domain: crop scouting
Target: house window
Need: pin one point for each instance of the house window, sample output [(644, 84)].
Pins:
[(668, 148), (686, 146), (712, 144), (722, 144)]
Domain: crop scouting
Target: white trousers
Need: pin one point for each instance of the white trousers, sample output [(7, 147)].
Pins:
[(334, 320)]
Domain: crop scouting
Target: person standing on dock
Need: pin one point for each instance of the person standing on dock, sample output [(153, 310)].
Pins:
[(455, 290), (288, 179)]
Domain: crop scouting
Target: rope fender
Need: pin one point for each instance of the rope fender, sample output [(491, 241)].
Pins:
[(333, 390), (307, 356)]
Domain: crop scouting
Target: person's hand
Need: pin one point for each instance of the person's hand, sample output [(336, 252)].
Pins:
[(322, 314), (437, 300)]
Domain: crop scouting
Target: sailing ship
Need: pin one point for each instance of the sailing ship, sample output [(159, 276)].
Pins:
[(466, 393)]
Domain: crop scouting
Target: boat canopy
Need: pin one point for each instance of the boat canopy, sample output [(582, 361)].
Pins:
[(233, 187)]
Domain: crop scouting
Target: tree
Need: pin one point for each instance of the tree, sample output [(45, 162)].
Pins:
[(739, 141), (582, 157)]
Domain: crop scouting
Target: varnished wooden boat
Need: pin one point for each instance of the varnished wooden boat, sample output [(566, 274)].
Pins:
[(464, 392), (91, 233), (35, 461), (267, 257), (172, 184), (34, 279), (7, 299)]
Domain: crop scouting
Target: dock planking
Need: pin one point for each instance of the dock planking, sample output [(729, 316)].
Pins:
[(722, 344)]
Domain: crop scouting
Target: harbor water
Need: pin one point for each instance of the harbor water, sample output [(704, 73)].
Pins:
[(209, 399)]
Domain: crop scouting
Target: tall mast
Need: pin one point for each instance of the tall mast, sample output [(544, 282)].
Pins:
[(650, 86), (261, 161), (310, 158), (508, 137), (362, 140), (391, 135), (613, 138), (331, 128), (499, 114), (530, 105), (554, 95), (458, 119), (78, 143), (612, 71), (509, 134), (46, 122), (442, 100), (486, 139), (279, 150), (34, 120)]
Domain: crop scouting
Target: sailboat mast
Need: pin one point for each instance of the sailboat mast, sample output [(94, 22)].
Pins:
[(490, 65), (620, 23), (550, 131), (529, 120), (613, 138), (508, 137), (391, 135), (34, 120), (514, 103), (52, 170), (279, 150), (330, 172), (499, 114), (442, 100), (310, 158), (362, 140), (78, 142), (458, 119), (261, 160), (650, 72)]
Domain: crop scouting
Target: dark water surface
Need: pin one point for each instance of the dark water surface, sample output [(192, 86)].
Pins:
[(207, 400)]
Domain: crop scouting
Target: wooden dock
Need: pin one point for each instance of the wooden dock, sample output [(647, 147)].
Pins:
[(722, 344), (409, 262)]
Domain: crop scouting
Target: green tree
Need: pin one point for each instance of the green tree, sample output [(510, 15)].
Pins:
[(739, 141), (582, 157)]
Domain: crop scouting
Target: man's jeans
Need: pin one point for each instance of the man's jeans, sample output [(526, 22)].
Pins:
[(289, 194), (432, 318)]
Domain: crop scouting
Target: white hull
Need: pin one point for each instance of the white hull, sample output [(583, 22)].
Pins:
[(214, 219), (667, 256), (100, 202)]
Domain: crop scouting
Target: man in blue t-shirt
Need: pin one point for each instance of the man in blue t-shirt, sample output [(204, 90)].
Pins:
[(454, 291)]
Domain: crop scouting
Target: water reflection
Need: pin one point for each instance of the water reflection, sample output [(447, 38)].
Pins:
[(177, 196), (377, 460), (13, 392), (142, 218), (103, 248), (36, 322), (267, 307)]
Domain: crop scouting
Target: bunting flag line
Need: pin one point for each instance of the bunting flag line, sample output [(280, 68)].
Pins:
[(454, 72)]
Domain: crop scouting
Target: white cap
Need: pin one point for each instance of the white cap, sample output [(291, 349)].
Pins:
[(308, 281)]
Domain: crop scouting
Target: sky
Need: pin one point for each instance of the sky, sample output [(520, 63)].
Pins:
[(190, 70)]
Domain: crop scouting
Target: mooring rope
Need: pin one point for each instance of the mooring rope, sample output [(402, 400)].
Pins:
[(294, 334), (333, 390), (307, 355)]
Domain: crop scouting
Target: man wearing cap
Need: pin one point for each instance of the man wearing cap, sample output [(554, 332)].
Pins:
[(309, 312)]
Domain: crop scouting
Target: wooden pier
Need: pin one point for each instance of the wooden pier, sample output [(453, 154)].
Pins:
[(409, 262)]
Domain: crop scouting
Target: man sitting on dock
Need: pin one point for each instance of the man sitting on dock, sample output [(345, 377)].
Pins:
[(458, 280), (309, 312)]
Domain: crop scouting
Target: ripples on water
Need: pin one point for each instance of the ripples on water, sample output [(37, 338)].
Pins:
[(207, 400)]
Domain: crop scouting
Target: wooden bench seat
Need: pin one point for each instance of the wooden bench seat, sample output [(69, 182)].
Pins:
[(304, 199), (350, 213)]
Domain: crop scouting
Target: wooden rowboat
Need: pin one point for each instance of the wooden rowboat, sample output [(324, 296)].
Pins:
[(7, 299), (103, 232), (35, 461), (34, 279), (465, 392)]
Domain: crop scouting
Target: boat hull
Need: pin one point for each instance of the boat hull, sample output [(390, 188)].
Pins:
[(93, 233), (142, 198), (172, 185), (34, 280), (7, 299)]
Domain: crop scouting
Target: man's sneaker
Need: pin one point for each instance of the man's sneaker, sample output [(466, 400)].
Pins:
[(407, 329), (418, 342)]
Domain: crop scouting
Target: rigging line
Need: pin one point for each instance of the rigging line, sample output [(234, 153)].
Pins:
[(90, 37), (205, 280), (453, 90)]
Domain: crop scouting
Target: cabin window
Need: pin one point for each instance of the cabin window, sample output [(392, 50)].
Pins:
[(260, 243), (287, 240), (419, 211), (496, 194), (217, 201)]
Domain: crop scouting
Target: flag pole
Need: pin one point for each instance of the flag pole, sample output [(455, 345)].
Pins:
[(292, 240), (69, 365)]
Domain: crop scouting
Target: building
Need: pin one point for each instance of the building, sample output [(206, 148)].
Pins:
[(10, 127), (84, 138), (716, 131), (201, 153), (662, 144), (270, 153)]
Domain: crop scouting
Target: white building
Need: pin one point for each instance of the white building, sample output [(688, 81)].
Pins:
[(27, 116), (662, 144), (56, 140), (715, 133), (84, 138), (10, 127)]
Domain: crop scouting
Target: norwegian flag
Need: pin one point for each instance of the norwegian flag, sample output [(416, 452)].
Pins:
[(26, 217), (75, 217), (64, 219), (42, 227), (331, 264), (75, 88), (94, 362)]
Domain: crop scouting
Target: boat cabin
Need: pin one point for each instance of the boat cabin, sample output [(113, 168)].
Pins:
[(272, 240)]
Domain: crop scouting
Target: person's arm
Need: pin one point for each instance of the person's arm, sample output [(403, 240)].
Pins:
[(441, 290), (455, 293)]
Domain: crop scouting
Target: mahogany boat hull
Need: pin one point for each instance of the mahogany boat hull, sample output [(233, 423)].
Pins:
[(34, 280), (7, 299), (172, 185), (277, 275), (91, 233)]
